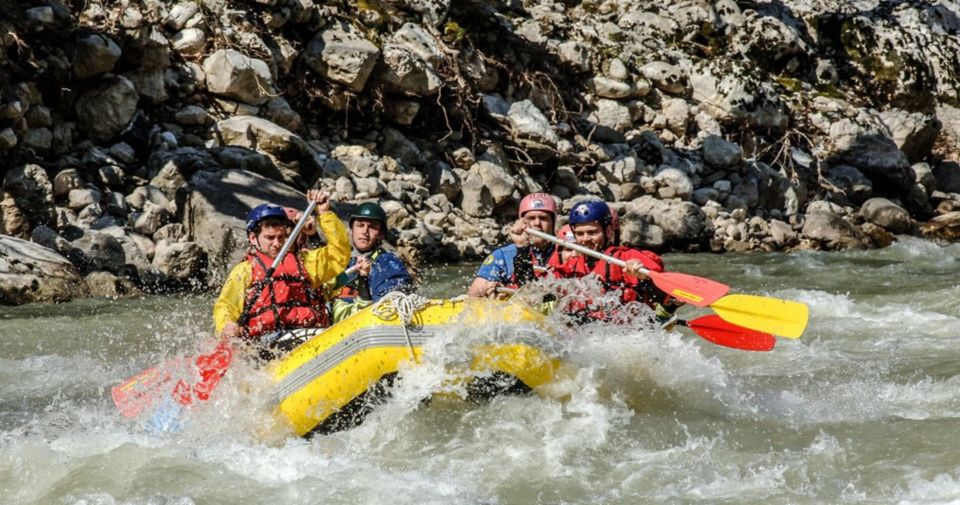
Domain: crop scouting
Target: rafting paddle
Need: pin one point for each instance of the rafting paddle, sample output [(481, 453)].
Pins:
[(713, 329), (684, 287), (140, 392), (772, 315), (720, 332)]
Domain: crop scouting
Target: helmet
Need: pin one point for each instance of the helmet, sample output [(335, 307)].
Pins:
[(566, 234), (263, 211), (590, 211), (369, 210), (538, 201), (614, 219)]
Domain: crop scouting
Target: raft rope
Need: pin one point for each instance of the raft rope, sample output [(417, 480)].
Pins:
[(397, 304)]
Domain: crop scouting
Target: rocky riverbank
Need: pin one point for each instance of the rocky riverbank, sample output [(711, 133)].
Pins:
[(136, 135)]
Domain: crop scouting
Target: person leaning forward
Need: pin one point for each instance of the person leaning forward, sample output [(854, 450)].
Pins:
[(372, 271), (251, 305)]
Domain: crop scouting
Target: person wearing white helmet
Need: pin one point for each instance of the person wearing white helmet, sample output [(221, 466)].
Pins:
[(537, 210)]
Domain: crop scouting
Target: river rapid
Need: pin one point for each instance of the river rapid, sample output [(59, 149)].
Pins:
[(864, 408)]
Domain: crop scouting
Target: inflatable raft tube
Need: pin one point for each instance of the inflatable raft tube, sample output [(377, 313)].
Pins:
[(330, 381)]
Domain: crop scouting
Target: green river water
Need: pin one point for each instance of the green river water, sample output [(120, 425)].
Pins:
[(864, 408)]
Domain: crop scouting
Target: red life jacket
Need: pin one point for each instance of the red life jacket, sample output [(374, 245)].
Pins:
[(612, 276), (284, 301)]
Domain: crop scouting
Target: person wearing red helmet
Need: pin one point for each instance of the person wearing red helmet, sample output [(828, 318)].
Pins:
[(566, 234), (592, 226), (253, 304), (537, 210)]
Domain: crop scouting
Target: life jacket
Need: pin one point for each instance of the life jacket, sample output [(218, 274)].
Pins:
[(612, 277), (349, 291), (283, 301)]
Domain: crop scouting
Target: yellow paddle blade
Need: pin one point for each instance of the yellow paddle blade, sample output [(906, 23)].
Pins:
[(772, 315)]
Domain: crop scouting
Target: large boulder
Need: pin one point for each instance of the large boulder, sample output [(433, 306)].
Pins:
[(834, 232), (406, 72), (33, 273), (682, 222), (883, 212)]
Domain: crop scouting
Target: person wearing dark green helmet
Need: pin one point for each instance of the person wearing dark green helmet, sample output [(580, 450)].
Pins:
[(372, 272)]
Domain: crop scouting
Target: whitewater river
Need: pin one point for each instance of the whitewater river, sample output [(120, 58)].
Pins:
[(864, 408)]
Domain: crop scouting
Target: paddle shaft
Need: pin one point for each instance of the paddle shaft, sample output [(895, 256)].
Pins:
[(581, 249), (307, 214)]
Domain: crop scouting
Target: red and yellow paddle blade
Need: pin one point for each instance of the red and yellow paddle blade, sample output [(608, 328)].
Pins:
[(139, 392), (720, 332), (689, 288), (174, 377), (771, 315)]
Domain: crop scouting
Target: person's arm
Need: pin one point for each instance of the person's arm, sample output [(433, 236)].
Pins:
[(229, 306), (325, 263), (489, 276)]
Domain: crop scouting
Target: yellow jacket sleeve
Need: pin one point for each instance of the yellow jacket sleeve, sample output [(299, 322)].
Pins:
[(229, 305), (324, 263)]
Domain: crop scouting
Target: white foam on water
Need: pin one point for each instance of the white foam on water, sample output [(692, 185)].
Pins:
[(942, 489)]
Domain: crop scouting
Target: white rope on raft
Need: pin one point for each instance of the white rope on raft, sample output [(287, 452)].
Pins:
[(397, 304)]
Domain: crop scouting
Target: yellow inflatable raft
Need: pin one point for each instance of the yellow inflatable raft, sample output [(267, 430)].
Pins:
[(328, 382)]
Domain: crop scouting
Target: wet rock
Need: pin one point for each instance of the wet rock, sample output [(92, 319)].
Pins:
[(833, 232), (179, 261), (102, 250), (33, 273), (107, 285), (943, 227), (883, 212)]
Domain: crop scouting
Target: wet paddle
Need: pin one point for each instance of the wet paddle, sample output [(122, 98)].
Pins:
[(714, 329), (138, 393), (684, 287), (772, 315)]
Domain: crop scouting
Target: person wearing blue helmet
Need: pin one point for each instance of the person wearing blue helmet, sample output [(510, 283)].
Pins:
[(372, 271), (254, 304), (592, 225)]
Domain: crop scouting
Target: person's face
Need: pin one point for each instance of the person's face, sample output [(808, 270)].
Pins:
[(592, 235), (366, 233), (270, 239), (566, 254), (540, 220)]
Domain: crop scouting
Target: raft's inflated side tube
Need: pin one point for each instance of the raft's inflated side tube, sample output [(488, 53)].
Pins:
[(328, 382)]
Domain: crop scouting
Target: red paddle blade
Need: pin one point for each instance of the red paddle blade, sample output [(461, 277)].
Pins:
[(720, 332), (139, 392), (689, 288), (173, 378)]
